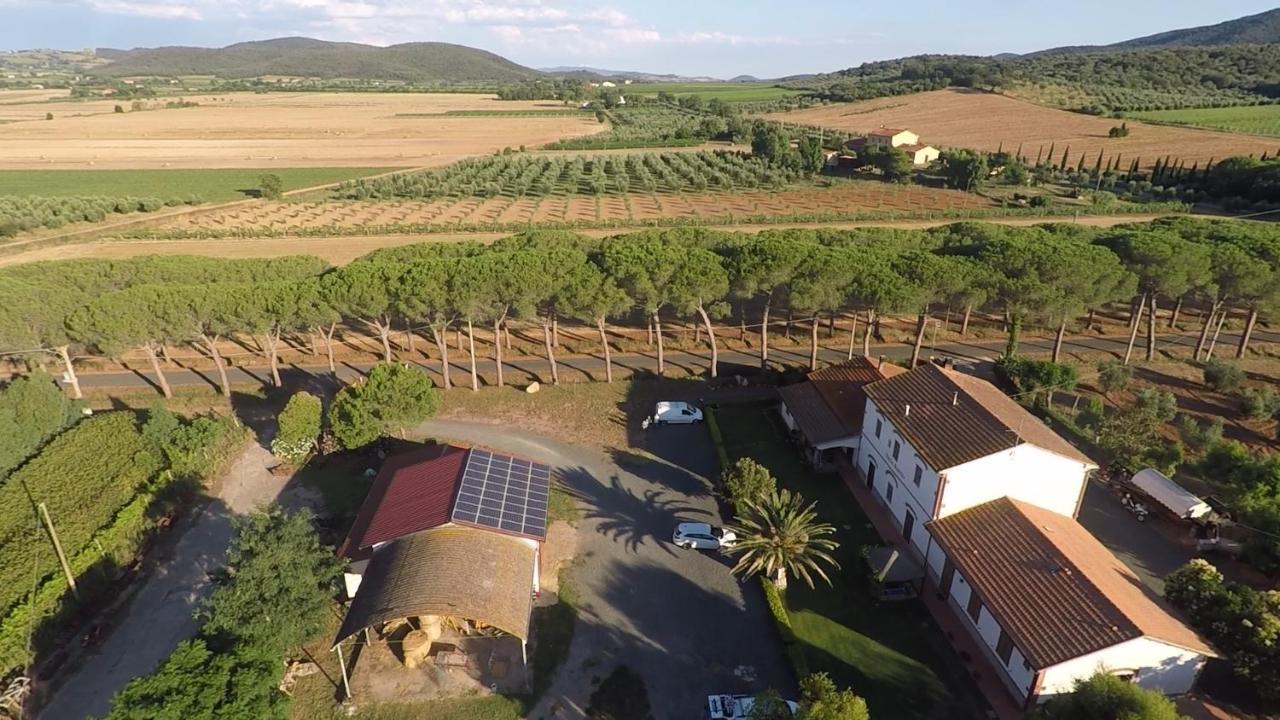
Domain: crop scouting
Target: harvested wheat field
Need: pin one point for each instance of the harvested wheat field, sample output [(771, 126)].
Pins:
[(275, 130), (844, 197), (983, 121)]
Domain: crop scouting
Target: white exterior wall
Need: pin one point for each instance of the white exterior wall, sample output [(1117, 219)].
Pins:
[(1018, 675), (1161, 667), (900, 473), (1025, 473), (925, 155), (851, 443)]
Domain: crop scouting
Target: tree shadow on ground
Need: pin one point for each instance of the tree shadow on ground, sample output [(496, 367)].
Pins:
[(621, 514)]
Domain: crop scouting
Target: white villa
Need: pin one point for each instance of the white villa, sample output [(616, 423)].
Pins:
[(982, 497)]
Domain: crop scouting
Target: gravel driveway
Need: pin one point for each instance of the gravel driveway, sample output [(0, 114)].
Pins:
[(677, 617)]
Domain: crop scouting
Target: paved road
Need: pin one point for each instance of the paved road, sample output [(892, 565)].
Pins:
[(526, 369), (160, 615), (679, 618)]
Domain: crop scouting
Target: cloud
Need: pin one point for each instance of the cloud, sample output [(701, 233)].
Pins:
[(159, 10)]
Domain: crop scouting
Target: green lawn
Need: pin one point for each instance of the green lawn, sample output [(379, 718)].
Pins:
[(727, 91), (1256, 119), (892, 654), (211, 185)]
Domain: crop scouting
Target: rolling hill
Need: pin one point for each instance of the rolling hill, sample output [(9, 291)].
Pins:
[(1260, 29), (426, 62)]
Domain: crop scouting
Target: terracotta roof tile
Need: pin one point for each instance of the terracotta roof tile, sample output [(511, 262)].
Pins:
[(812, 414), (886, 132), (1051, 585), (831, 404), (951, 418), (413, 491)]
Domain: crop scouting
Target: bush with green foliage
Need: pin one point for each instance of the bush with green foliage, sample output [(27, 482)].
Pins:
[(747, 481), (1132, 435), (111, 447), (1197, 435), (274, 594), (270, 186), (1238, 620), (297, 428), (1037, 380), (820, 699), (1251, 483), (185, 446), (1223, 377), (32, 409), (1114, 376), (393, 399), (769, 705), (1104, 696), (1261, 403)]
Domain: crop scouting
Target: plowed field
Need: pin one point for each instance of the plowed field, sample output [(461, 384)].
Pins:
[(983, 121)]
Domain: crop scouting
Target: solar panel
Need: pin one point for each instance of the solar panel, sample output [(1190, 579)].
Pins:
[(504, 493)]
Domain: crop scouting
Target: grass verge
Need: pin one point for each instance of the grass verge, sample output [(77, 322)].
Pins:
[(891, 654), (211, 185)]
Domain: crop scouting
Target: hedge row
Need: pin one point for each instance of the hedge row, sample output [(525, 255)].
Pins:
[(96, 566), (84, 476)]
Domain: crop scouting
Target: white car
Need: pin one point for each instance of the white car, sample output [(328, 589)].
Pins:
[(737, 707), (701, 536), (674, 413)]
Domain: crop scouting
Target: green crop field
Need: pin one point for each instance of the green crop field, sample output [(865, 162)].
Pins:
[(1256, 119), (727, 91), (210, 185)]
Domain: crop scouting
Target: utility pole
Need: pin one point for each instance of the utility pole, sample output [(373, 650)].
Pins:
[(57, 547)]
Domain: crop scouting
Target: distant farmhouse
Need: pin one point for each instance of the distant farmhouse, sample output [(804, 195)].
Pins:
[(899, 138)]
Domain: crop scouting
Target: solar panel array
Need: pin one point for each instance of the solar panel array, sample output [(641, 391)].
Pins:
[(504, 493)]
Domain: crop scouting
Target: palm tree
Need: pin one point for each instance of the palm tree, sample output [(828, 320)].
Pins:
[(780, 534)]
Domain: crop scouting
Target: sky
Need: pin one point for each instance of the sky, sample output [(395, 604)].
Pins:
[(718, 38)]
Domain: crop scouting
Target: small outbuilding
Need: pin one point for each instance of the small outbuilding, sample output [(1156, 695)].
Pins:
[(825, 413)]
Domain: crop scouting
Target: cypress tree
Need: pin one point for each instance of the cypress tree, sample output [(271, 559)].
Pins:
[(1049, 158), (1115, 166), (1191, 174), (1097, 166), (1039, 155), (1062, 167), (1018, 155), (1000, 147)]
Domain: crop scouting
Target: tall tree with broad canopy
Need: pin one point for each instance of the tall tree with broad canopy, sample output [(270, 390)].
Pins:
[(964, 169), (362, 290), (471, 293), (268, 311), (876, 287), (590, 295), (930, 279), (698, 284), (1093, 277), (423, 294), (819, 285), (144, 317), (318, 315), (35, 322), (643, 267), (762, 269), (1165, 264)]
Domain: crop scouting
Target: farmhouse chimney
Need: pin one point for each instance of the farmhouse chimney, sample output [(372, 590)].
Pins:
[(955, 399), (906, 411), (881, 363)]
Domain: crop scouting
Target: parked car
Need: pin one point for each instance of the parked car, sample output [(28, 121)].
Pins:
[(673, 413), (737, 707), (701, 536)]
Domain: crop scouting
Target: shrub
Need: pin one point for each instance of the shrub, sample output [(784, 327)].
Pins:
[(821, 700), (1239, 620), (1107, 697), (1114, 376), (297, 428), (1199, 436), (393, 399), (747, 481), (270, 186), (1223, 377), (1261, 403), (32, 410)]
